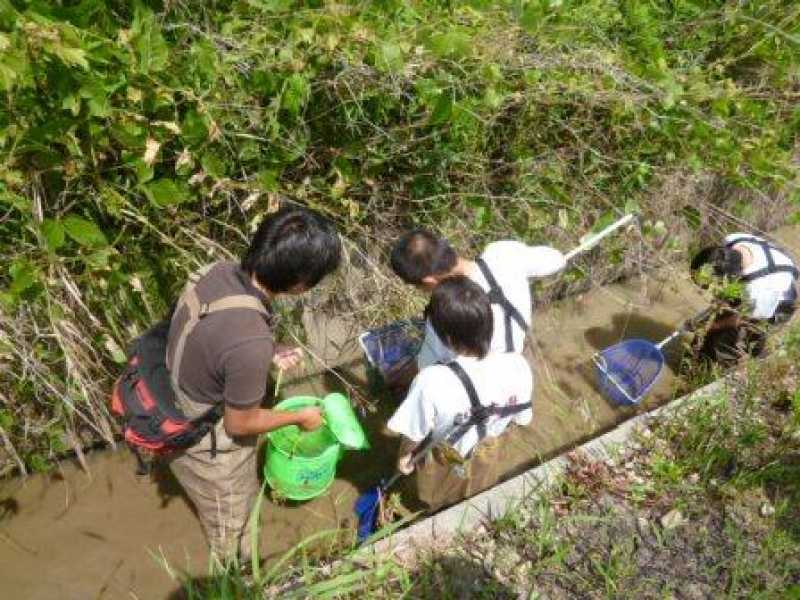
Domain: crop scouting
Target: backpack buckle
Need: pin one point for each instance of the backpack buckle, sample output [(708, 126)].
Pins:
[(482, 413), (204, 310)]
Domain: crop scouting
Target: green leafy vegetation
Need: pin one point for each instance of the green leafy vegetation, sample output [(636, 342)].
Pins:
[(140, 140)]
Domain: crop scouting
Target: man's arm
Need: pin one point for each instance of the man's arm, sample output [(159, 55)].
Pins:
[(256, 420), (246, 370), (543, 261)]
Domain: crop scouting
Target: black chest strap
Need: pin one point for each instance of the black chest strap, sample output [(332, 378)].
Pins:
[(496, 296), (771, 267), (479, 414)]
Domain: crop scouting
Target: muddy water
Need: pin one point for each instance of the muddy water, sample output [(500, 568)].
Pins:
[(101, 535)]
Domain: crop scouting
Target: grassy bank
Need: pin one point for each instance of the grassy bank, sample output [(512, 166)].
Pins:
[(704, 504), (140, 140)]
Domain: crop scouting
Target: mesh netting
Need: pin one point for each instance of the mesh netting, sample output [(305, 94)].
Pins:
[(626, 371), (393, 344)]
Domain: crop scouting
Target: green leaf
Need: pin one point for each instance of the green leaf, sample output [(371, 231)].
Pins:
[(72, 103), (15, 68), (152, 51), (453, 44), (72, 57), (295, 93), (97, 99), (193, 129), (214, 165), (53, 233), (6, 419), (204, 59), (443, 109), (23, 275), (389, 57), (21, 203), (692, 216), (166, 192), (268, 180), (84, 232)]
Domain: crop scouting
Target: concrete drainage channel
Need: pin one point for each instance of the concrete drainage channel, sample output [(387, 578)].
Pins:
[(472, 513)]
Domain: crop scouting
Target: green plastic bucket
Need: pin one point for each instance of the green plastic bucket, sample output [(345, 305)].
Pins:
[(301, 465)]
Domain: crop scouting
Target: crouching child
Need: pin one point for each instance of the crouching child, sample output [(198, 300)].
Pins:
[(756, 287), (466, 404)]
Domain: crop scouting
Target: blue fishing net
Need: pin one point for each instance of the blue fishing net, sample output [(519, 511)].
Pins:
[(626, 371), (393, 345)]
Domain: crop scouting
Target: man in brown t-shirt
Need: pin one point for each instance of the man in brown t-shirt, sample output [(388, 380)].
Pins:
[(225, 359)]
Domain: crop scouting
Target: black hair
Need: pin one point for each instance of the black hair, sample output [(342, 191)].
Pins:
[(293, 246), (724, 262), (421, 253), (461, 316)]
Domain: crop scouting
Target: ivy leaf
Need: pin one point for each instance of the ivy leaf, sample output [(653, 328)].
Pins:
[(84, 232), (53, 233), (166, 192)]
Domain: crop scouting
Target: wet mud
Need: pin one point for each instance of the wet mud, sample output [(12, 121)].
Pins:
[(105, 534)]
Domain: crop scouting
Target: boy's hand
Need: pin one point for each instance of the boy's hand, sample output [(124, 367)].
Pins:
[(286, 357), (309, 419), (405, 464)]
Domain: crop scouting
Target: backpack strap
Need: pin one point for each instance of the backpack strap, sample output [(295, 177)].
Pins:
[(771, 267), (479, 414), (197, 311), (496, 296)]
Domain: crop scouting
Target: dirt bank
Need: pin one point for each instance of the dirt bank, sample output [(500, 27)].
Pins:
[(78, 536)]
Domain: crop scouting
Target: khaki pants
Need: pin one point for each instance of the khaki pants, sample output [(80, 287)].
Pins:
[(223, 489), (438, 482)]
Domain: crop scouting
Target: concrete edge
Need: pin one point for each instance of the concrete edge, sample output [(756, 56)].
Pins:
[(495, 502)]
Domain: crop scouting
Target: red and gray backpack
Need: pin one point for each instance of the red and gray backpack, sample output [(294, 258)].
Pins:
[(147, 396)]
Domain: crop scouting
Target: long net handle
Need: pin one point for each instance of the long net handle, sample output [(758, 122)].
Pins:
[(595, 239), (688, 324)]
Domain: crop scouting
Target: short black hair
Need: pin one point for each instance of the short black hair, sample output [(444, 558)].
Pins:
[(461, 315), (293, 246), (421, 253), (724, 261)]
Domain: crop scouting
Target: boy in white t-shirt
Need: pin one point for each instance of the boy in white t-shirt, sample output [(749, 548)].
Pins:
[(466, 404), (769, 278), (503, 271)]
